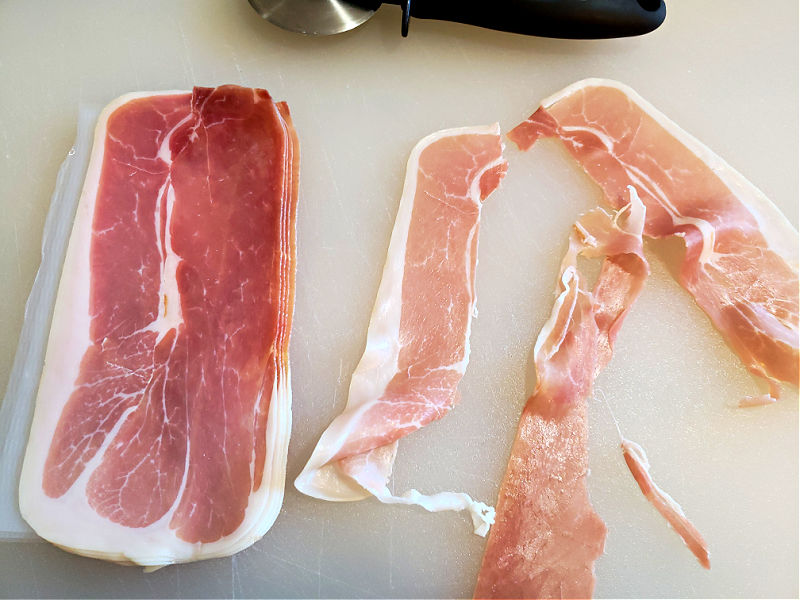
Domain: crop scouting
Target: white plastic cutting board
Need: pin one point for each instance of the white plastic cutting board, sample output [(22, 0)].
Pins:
[(726, 71)]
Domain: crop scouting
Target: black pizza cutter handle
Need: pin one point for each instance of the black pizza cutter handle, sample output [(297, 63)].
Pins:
[(570, 19)]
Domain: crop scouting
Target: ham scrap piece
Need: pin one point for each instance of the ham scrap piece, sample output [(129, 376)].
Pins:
[(547, 536), (637, 462), (418, 338), (741, 261), (162, 419)]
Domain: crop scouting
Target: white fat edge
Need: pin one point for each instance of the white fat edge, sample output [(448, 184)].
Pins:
[(68, 339), (373, 473), (329, 482), (378, 364), (569, 280), (636, 214), (69, 331), (778, 232), (323, 480), (482, 515), (86, 533)]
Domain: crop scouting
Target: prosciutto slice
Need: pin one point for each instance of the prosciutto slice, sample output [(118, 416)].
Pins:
[(741, 261), (162, 418), (418, 338), (639, 466), (547, 536)]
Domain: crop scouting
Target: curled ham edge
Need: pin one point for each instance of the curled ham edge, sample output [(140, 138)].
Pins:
[(780, 235), (367, 474), (156, 545)]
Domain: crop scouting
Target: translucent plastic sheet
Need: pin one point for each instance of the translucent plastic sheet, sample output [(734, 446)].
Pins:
[(16, 411)]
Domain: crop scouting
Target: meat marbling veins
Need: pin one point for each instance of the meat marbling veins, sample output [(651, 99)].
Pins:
[(417, 345), (741, 261)]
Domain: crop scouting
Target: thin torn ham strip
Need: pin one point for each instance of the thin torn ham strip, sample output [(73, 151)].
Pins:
[(162, 419), (751, 401), (547, 536), (637, 462), (418, 338), (741, 262)]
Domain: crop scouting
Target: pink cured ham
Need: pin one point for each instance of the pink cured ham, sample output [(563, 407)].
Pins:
[(418, 339), (162, 419), (546, 535), (639, 466), (741, 261)]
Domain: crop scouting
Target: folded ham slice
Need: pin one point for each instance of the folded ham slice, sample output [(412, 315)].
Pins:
[(741, 262), (163, 412), (418, 339), (547, 536)]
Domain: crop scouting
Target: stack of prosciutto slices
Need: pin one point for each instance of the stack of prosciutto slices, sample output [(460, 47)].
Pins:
[(163, 414)]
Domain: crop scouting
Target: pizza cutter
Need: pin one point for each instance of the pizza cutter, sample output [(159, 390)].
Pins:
[(572, 19)]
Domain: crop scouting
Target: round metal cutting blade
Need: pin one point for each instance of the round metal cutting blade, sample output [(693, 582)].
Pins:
[(315, 17)]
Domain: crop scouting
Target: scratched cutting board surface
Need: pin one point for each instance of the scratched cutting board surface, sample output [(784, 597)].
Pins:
[(725, 71)]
